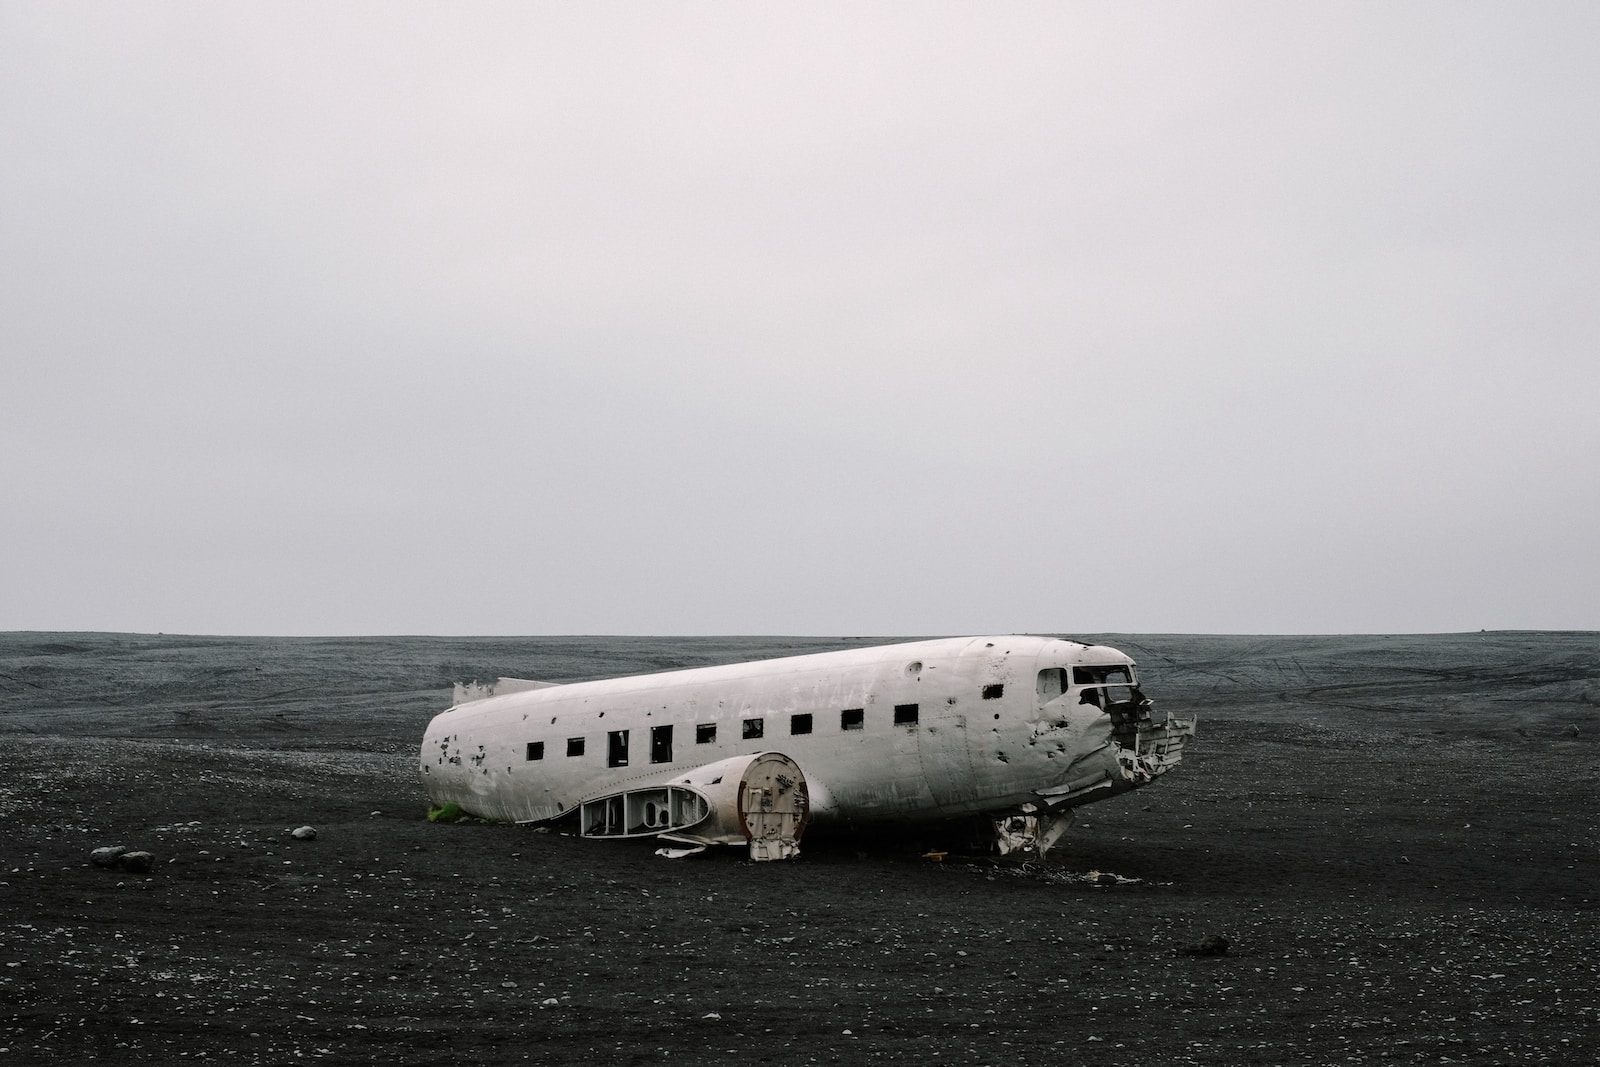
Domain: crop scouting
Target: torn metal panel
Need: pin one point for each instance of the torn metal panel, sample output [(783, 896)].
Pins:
[(1032, 831), (465, 692), (642, 812), (682, 852)]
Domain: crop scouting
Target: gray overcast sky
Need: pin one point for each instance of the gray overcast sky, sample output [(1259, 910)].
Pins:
[(825, 318)]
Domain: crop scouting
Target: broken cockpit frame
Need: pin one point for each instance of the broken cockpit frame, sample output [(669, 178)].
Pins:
[(1138, 748)]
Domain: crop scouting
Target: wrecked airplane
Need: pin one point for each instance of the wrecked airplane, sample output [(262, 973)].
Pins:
[(1012, 732)]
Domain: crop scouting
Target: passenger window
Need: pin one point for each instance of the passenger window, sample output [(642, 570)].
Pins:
[(705, 733), (574, 746), (660, 744), (754, 728), (617, 749), (852, 718), (801, 723), (905, 714), (993, 692), (535, 750)]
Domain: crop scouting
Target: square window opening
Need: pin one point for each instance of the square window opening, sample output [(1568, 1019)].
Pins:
[(535, 750), (705, 733), (801, 723), (754, 728), (905, 714), (574, 746), (853, 719), (993, 692)]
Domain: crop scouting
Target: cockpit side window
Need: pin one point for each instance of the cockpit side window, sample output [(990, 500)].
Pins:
[(1052, 683)]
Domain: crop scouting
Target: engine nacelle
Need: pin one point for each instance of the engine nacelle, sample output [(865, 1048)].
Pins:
[(756, 799)]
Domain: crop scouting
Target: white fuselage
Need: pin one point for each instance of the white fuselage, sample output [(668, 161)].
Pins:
[(926, 730)]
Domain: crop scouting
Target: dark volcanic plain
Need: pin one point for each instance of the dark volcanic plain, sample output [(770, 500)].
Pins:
[(1397, 835)]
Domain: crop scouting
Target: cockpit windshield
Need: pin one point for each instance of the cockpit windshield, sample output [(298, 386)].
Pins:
[(1116, 674), (1104, 686), (1099, 685)]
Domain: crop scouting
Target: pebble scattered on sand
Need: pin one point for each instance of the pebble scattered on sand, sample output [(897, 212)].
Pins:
[(122, 858)]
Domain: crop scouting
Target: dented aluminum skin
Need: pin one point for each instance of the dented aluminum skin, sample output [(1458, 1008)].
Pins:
[(1019, 730)]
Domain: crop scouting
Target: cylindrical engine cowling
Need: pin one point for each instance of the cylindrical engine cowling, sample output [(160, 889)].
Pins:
[(760, 799)]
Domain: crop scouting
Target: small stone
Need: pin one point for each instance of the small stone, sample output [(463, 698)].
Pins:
[(107, 856), (136, 862), (303, 833), (1210, 945)]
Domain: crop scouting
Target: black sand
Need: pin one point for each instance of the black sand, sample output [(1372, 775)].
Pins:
[(1397, 836)]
